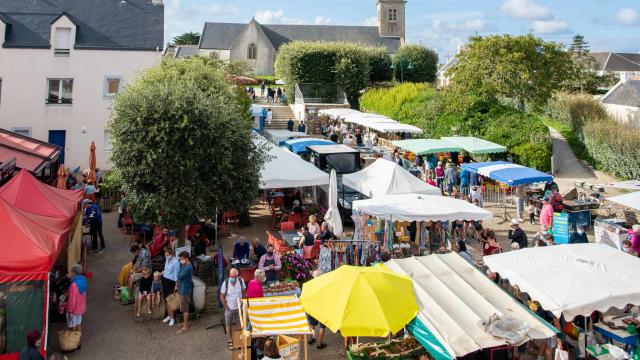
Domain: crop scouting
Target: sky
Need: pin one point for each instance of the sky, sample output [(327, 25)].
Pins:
[(443, 25)]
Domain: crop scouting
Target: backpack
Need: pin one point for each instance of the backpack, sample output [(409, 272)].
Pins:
[(243, 286)]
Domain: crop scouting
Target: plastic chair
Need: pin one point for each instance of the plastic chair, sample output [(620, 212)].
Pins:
[(231, 217), (295, 218), (276, 216), (287, 226), (306, 251)]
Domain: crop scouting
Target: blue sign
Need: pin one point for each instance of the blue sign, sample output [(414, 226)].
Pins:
[(561, 228)]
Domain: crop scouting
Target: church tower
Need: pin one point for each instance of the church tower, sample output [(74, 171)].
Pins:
[(391, 18)]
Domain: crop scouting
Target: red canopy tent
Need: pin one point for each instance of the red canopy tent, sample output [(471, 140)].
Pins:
[(29, 252)]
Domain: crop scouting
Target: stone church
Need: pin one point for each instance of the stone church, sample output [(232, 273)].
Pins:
[(258, 43)]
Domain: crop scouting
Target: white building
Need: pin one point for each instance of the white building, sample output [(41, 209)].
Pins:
[(622, 102), (61, 63), (623, 65)]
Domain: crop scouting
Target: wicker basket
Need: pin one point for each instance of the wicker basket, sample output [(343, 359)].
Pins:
[(69, 340), (173, 302)]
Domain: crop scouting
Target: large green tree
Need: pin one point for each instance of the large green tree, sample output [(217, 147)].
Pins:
[(415, 63), (182, 144), (525, 68), (188, 38), (584, 76)]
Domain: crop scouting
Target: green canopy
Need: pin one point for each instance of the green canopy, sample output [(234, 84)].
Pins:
[(429, 341), (474, 145), (426, 146)]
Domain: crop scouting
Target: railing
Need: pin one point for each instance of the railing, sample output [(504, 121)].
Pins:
[(58, 101), (320, 93)]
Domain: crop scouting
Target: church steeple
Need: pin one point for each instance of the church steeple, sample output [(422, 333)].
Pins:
[(391, 18)]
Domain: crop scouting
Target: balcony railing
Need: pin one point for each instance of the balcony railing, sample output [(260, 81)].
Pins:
[(64, 101)]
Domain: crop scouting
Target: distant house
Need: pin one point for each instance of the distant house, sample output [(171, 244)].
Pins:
[(443, 79), (623, 102), (623, 65), (180, 51), (258, 43), (62, 62)]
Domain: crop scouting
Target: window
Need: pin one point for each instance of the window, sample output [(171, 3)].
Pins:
[(252, 52), (393, 15), (112, 85), (59, 91), (107, 141), (63, 41), (24, 131)]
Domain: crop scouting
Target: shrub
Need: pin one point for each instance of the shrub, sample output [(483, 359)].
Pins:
[(423, 61), (349, 65)]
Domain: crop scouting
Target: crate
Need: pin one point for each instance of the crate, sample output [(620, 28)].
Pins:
[(289, 347)]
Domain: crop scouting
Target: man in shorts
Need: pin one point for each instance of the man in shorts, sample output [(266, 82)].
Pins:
[(313, 323), (232, 290)]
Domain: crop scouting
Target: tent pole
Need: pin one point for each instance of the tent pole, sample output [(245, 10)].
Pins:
[(305, 346)]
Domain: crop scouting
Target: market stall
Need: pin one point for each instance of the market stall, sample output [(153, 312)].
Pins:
[(279, 316), (286, 170), (299, 146), (476, 146), (280, 136), (508, 173), (385, 177), (375, 122), (427, 146), (630, 200), (453, 298)]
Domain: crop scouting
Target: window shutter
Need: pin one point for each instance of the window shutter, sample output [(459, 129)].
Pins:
[(63, 38)]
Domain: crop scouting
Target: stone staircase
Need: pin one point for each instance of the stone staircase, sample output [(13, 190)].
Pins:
[(281, 114)]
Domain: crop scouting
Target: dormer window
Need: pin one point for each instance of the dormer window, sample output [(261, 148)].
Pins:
[(393, 15), (62, 45)]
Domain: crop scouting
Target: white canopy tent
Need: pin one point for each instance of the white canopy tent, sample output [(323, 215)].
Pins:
[(279, 136), (333, 213), (385, 177), (375, 122), (420, 207), (286, 169), (572, 279), (631, 200), (453, 298)]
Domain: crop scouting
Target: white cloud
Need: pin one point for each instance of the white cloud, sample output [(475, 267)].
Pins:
[(275, 17), (627, 16), (372, 21), (180, 18), (321, 20), (468, 25), (527, 9), (553, 26)]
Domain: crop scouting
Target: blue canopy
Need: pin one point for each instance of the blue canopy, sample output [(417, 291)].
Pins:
[(508, 173), (299, 146)]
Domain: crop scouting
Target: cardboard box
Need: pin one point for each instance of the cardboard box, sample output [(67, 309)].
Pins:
[(289, 347)]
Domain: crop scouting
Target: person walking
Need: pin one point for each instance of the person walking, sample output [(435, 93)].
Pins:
[(520, 197), (254, 288), (262, 88), (232, 290), (439, 171), (269, 116), (76, 304), (517, 235), (451, 177), (169, 279), (185, 289), (290, 125), (93, 216)]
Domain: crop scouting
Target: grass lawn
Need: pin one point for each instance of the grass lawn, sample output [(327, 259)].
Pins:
[(574, 142)]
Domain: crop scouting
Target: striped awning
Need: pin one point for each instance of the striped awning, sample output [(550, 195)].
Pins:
[(277, 315)]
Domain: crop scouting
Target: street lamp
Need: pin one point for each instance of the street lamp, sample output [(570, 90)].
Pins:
[(404, 64)]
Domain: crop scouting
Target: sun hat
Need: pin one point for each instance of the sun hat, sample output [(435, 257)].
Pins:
[(515, 222)]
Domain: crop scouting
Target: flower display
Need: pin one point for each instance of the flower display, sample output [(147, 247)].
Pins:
[(295, 267)]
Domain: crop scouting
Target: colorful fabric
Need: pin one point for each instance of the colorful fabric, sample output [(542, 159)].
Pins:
[(277, 315)]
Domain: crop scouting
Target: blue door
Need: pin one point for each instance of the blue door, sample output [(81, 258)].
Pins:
[(58, 137)]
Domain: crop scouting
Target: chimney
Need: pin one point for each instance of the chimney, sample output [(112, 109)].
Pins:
[(156, 2)]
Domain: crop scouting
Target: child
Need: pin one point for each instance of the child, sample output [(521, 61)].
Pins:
[(145, 290), (156, 289), (532, 212)]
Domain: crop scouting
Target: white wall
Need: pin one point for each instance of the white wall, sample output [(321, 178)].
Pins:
[(629, 115), (224, 55), (24, 74)]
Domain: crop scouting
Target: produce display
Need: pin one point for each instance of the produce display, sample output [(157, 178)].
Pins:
[(282, 288), (407, 348)]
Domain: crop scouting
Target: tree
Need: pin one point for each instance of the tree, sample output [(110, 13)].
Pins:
[(584, 74), (188, 38), (182, 144), (380, 65), (521, 68), (415, 63)]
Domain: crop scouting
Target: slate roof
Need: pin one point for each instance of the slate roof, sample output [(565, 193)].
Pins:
[(627, 94), (222, 35), (612, 61), (101, 24), (185, 51)]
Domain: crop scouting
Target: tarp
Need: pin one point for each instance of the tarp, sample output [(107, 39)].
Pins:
[(420, 207), (277, 315), (453, 297), (426, 146), (285, 169), (572, 279), (299, 146), (279, 136), (29, 249), (474, 145), (508, 173), (385, 177), (631, 200), (375, 122)]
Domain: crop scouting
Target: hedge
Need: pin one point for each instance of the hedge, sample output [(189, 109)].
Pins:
[(423, 61), (351, 66), (526, 137), (609, 145)]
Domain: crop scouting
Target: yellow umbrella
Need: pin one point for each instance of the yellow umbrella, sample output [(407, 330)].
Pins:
[(361, 301)]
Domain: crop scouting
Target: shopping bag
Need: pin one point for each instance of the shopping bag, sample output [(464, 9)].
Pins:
[(173, 302), (562, 355)]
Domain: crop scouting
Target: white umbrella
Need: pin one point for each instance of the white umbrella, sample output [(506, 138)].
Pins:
[(333, 214)]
